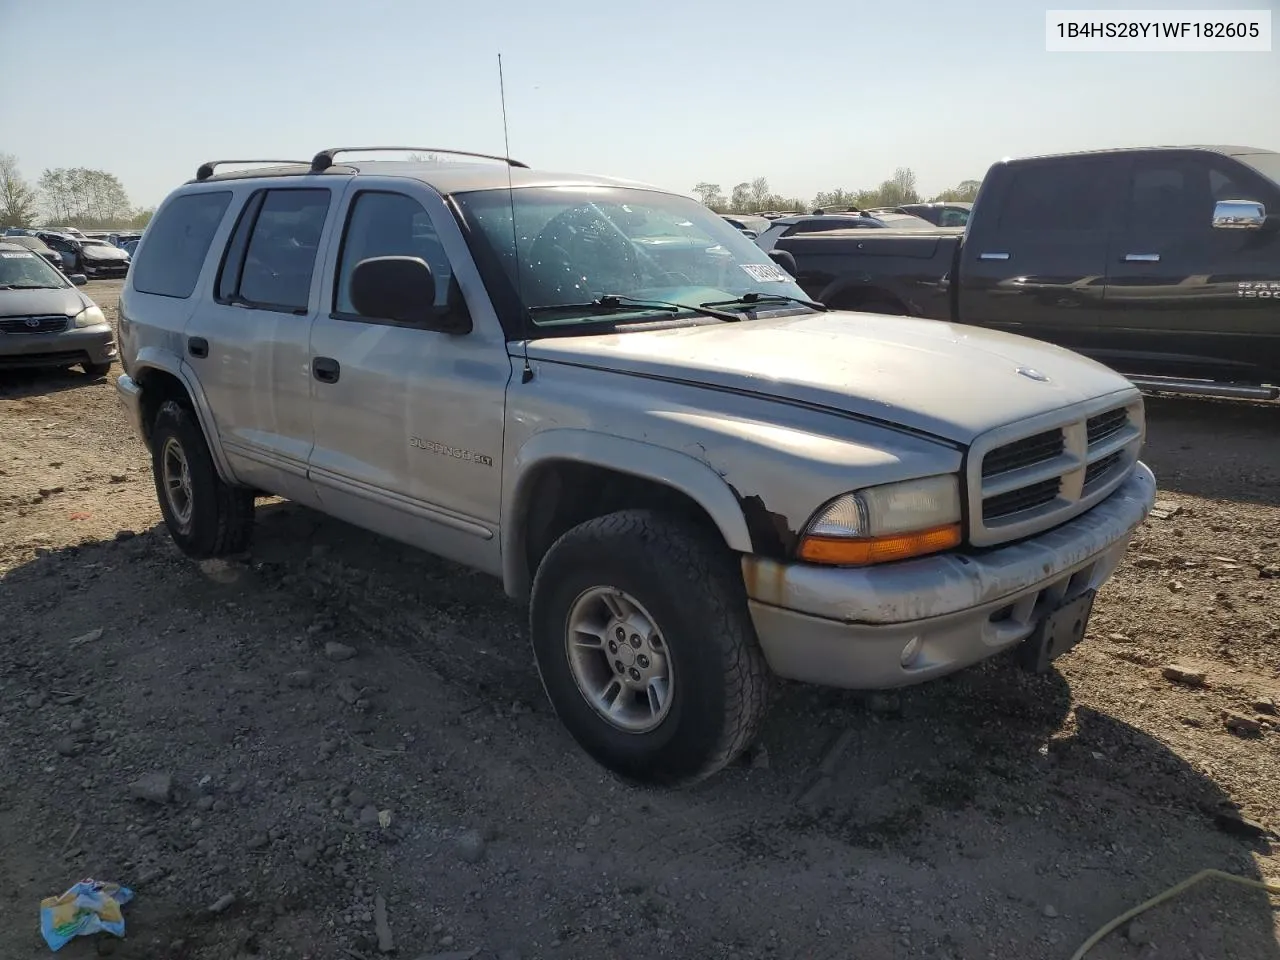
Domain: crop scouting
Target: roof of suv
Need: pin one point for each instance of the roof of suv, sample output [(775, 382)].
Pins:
[(446, 178)]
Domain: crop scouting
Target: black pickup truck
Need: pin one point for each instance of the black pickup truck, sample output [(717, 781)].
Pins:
[(1161, 262)]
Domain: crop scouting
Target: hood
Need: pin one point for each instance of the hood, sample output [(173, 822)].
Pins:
[(948, 380), (103, 253), (33, 303)]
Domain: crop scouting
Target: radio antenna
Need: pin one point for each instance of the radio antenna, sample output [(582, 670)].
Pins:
[(527, 374)]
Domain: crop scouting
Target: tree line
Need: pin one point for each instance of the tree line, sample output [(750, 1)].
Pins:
[(66, 197), (754, 196)]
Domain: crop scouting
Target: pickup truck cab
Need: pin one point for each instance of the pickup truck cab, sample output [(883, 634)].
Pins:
[(1163, 263), (609, 398)]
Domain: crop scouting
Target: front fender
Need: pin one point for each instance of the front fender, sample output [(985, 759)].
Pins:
[(166, 361), (677, 470)]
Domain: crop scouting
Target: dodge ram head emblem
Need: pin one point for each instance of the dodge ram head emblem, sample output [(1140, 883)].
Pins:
[(1033, 374)]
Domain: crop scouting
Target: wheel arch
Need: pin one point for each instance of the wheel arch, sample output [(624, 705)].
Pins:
[(161, 376), (564, 477)]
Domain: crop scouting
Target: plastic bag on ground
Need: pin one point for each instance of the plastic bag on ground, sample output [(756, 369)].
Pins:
[(89, 907)]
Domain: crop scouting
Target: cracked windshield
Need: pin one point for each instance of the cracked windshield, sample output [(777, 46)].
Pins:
[(582, 249)]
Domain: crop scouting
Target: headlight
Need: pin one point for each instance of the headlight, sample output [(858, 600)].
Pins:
[(889, 522), (90, 316)]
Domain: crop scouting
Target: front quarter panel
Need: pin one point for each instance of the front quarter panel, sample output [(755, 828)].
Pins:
[(759, 467)]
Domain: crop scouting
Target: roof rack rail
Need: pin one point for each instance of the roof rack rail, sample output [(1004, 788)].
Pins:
[(205, 170), (324, 159)]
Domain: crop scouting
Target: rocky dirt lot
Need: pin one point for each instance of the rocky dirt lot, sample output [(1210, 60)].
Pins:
[(340, 749)]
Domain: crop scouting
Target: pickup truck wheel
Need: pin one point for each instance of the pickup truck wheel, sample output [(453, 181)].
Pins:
[(646, 649), (205, 516)]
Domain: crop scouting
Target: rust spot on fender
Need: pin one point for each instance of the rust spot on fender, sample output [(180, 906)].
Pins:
[(765, 580), (771, 534)]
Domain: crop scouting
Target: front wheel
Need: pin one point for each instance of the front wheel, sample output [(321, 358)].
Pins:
[(646, 649), (205, 516)]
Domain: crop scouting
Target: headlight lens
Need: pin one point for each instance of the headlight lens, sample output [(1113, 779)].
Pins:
[(90, 317), (894, 521)]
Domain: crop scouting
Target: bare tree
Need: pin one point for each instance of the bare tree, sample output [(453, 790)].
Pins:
[(18, 206), (709, 194), (965, 191), (83, 197)]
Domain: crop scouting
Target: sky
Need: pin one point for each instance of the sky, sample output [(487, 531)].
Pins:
[(812, 95)]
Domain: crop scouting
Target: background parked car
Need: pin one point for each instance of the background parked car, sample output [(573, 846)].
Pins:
[(814, 223), (36, 245), (750, 224), (96, 259), (948, 213)]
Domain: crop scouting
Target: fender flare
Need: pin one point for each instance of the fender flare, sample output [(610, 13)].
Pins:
[(671, 468), (166, 361)]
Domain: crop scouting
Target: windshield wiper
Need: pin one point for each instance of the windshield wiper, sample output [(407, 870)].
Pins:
[(751, 299), (27, 286), (614, 302)]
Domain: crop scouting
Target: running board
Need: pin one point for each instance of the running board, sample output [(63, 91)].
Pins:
[(1206, 388)]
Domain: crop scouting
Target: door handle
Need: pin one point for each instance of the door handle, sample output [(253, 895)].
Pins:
[(993, 256), (198, 346), (1142, 257), (325, 369)]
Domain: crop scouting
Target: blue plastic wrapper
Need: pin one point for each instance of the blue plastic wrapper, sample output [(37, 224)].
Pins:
[(89, 907)]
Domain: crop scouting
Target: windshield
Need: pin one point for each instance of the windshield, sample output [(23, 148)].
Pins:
[(578, 244), (22, 269), (1267, 164)]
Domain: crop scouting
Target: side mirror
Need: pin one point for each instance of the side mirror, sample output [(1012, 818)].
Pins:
[(403, 289), (1239, 215), (785, 260), (79, 279)]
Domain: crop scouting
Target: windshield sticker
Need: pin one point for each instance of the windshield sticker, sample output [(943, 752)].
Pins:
[(17, 256), (765, 272)]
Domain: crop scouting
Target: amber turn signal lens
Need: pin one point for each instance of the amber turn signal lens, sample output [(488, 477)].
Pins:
[(843, 551)]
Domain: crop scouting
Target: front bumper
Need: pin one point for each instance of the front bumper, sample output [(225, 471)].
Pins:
[(106, 271), (878, 628), (96, 344), (130, 395)]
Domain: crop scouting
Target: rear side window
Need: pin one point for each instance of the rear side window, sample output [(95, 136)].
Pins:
[(177, 243), (272, 254), (1068, 196)]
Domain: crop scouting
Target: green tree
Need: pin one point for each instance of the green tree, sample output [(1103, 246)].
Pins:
[(966, 191), (18, 206), (710, 195)]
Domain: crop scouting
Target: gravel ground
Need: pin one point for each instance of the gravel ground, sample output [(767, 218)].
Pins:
[(277, 754)]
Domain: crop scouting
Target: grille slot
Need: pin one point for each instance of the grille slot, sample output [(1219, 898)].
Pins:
[(1023, 453), (1024, 498), (1106, 425), (1101, 468), (55, 324), (1026, 478)]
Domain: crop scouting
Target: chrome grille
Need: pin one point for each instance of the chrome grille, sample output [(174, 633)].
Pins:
[(54, 324), (1030, 476)]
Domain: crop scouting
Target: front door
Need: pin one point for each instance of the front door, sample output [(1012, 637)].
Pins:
[(408, 421), (1178, 290), (1035, 259), (249, 343)]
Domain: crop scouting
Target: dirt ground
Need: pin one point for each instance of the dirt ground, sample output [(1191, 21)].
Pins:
[(293, 792)]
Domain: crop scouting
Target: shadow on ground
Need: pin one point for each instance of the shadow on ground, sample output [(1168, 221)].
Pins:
[(17, 384), (981, 814)]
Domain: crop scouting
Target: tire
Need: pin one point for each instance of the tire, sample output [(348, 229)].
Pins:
[(218, 518), (690, 587), (97, 370)]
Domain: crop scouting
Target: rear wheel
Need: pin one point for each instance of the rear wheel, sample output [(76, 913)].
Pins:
[(646, 649), (205, 516)]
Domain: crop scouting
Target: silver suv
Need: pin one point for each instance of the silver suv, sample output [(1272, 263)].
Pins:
[(608, 397)]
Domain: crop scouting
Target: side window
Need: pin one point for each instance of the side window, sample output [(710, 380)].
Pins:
[(1167, 194), (1056, 196), (388, 225), (180, 239), (272, 253), (1226, 183)]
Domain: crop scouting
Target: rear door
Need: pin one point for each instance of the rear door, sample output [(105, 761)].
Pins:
[(1178, 288), (249, 341), (1034, 261)]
